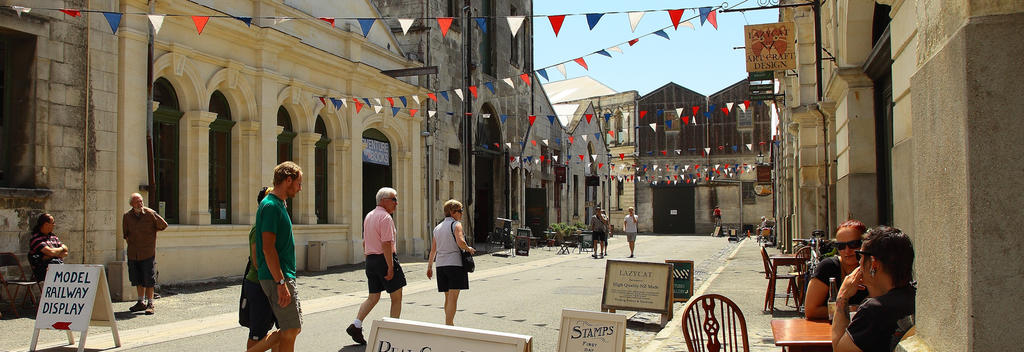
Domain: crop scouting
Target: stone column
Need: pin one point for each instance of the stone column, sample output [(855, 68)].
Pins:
[(856, 173), (339, 162), (407, 198), (354, 204), (246, 173), (303, 204), (194, 167), (810, 177)]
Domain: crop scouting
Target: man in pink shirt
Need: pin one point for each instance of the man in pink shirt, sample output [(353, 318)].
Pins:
[(383, 272)]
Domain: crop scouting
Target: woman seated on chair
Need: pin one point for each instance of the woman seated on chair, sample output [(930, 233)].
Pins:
[(849, 237), (886, 268), (44, 248)]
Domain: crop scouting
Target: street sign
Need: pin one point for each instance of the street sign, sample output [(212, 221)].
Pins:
[(638, 286), (389, 334), (69, 301), (762, 85), (682, 280), (591, 332)]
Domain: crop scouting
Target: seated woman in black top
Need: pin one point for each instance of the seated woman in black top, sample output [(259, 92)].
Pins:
[(848, 240), (886, 267)]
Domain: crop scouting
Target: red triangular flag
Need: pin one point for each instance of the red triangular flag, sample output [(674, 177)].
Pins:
[(643, 113), (526, 78), (412, 112), (542, 158), (532, 118), (328, 20), (726, 111), (570, 139), (323, 101), (631, 42), (444, 23), (686, 120), (622, 156), (556, 22), (534, 142), (200, 22), (696, 109), (359, 106), (392, 101), (582, 63), (746, 104), (432, 96), (72, 13), (589, 116), (472, 89), (713, 19), (600, 165), (675, 15), (581, 157), (511, 158), (611, 133)]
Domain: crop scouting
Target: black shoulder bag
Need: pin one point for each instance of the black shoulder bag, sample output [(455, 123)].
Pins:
[(467, 258)]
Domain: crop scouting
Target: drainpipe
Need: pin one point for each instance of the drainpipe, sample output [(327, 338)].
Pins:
[(85, 143)]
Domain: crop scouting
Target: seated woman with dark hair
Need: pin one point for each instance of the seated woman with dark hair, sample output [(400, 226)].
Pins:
[(849, 238), (886, 268)]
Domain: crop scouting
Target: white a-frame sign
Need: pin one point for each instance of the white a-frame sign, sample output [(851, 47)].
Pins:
[(74, 297)]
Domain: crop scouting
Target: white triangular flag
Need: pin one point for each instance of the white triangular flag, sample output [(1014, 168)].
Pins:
[(514, 22), (653, 126), (508, 81), (20, 9), (561, 68), (378, 101), (679, 112), (693, 120), (616, 49), (459, 93), (728, 106), (545, 141), (556, 157), (536, 161), (416, 98), (406, 23), (634, 19), (584, 138), (679, 151), (508, 145), (743, 107), (717, 165), (280, 20), (431, 113), (687, 24), (750, 146), (157, 21), (343, 103), (377, 108), (707, 150), (655, 167), (593, 156)]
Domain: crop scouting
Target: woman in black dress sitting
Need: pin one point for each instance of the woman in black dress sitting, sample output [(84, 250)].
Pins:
[(886, 268), (849, 238)]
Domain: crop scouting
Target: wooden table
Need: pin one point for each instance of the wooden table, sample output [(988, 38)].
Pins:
[(786, 259), (802, 335)]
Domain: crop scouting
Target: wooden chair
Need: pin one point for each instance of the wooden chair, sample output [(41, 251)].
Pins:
[(804, 255), (713, 323), (773, 277), (8, 261)]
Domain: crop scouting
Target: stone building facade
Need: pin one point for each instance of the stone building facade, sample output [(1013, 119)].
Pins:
[(698, 156), (914, 126)]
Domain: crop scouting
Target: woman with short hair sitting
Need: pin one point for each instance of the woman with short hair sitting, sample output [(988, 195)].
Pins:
[(849, 238), (886, 268)]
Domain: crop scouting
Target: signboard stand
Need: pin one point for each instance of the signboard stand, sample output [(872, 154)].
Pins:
[(389, 334), (74, 297), (584, 331), (682, 280), (638, 286)]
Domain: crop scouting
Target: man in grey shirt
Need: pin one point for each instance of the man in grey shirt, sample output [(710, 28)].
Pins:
[(599, 224)]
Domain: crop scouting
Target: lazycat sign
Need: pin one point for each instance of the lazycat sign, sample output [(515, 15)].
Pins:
[(770, 47)]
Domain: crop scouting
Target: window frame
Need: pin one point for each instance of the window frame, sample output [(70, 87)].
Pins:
[(220, 126), (321, 160)]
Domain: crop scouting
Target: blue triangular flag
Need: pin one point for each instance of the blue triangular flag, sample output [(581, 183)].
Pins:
[(558, 141), (604, 52), (607, 117), (712, 108), (704, 11), (661, 33), (529, 158), (394, 111), (707, 114), (660, 111), (114, 19), (450, 113), (543, 73), (367, 100), (592, 19), (445, 95), (246, 20), (735, 148), (337, 103), (366, 24), (490, 86), (403, 101), (503, 118), (668, 123), (522, 144), (482, 23), (597, 135), (552, 119)]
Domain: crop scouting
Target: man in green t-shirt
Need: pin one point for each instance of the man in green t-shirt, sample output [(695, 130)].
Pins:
[(275, 255)]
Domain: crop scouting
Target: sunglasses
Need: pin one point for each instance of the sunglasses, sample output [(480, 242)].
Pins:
[(852, 244), (457, 211)]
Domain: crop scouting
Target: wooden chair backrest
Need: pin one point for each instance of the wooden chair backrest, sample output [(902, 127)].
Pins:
[(713, 323), (767, 263)]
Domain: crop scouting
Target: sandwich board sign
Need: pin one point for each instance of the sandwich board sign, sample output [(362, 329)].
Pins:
[(682, 280), (74, 297), (638, 286), (390, 335), (584, 331)]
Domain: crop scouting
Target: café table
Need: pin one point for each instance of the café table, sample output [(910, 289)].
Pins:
[(802, 335)]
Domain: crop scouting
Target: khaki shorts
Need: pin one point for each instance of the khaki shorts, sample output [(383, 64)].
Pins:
[(290, 316), (631, 236)]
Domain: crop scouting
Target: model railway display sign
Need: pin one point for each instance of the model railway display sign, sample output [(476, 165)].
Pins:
[(74, 296)]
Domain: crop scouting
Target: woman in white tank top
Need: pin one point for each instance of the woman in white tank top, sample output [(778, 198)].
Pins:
[(445, 247)]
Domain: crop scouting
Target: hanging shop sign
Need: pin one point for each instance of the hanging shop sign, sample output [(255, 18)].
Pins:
[(770, 46), (376, 152)]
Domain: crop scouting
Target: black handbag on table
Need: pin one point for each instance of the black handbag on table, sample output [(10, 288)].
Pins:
[(467, 258)]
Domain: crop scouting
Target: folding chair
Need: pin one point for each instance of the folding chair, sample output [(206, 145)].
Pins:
[(9, 260)]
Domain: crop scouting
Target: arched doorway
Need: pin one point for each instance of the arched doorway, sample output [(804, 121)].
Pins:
[(490, 198), (376, 166)]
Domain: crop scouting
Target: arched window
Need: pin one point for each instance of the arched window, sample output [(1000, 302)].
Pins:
[(284, 143), (321, 171), (220, 160), (163, 194)]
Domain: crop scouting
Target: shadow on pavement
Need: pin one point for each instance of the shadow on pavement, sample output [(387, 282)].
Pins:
[(353, 348)]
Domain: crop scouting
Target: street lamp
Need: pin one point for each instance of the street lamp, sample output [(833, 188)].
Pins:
[(760, 158)]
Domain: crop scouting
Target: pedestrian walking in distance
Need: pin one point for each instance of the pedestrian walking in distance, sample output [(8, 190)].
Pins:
[(630, 225), (275, 254), (599, 224), (140, 225), (446, 247), (383, 272), (716, 214)]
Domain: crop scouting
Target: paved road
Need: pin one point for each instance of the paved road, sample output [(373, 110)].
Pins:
[(522, 295)]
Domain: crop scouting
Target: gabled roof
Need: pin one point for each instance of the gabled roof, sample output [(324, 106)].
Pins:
[(575, 88)]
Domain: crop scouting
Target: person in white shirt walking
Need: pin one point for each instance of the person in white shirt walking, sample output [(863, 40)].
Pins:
[(630, 225)]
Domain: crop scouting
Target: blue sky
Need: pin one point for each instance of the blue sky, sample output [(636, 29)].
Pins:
[(702, 59)]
